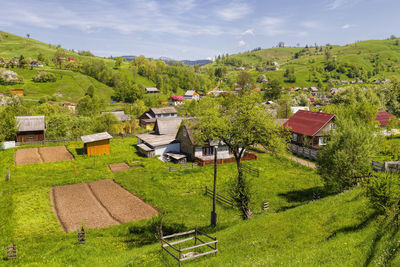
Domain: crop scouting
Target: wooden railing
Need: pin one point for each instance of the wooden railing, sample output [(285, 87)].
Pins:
[(246, 156), (220, 197), (390, 166)]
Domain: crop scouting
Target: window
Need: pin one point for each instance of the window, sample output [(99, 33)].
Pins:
[(322, 141), (295, 137), (208, 151)]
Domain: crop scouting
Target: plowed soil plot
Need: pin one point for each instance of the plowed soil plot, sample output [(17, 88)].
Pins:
[(117, 167), (42, 154), (98, 204)]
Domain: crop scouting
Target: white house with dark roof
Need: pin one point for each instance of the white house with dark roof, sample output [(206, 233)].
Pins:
[(192, 95)]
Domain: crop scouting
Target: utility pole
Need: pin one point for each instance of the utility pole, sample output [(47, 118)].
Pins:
[(213, 213)]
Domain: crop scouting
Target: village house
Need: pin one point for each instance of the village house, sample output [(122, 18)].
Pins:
[(162, 140), (176, 100), (203, 153), (96, 144), (192, 95), (17, 92), (30, 128), (71, 106), (148, 118), (310, 129), (122, 118), (152, 90)]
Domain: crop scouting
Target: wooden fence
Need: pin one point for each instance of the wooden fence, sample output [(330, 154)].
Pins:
[(306, 152), (390, 166), (246, 156), (12, 251), (251, 170), (220, 197), (180, 167), (182, 254), (265, 205)]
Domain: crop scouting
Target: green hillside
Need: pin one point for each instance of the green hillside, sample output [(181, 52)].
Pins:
[(364, 60), (70, 85)]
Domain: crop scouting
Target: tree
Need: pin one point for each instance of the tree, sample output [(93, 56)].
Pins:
[(240, 122), (348, 154), (88, 106), (58, 126), (118, 62), (90, 91), (28, 35), (8, 125), (59, 56), (284, 108), (245, 81), (273, 90), (106, 122), (383, 191)]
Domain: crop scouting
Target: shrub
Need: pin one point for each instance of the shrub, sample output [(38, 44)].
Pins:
[(383, 191), (44, 76)]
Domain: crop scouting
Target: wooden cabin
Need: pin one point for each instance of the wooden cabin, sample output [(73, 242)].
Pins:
[(97, 144), (17, 92), (30, 128)]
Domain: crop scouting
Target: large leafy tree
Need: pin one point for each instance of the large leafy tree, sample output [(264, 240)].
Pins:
[(240, 122)]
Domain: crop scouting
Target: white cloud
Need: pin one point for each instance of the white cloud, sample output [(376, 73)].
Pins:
[(248, 32), (134, 16), (311, 24), (234, 11), (335, 4), (241, 43), (273, 26), (347, 26)]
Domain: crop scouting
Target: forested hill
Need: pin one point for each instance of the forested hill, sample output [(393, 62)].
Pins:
[(312, 65)]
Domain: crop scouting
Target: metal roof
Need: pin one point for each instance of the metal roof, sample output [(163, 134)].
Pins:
[(190, 92), (168, 125), (30, 123), (308, 122), (165, 110), (383, 117), (144, 147), (152, 89), (95, 137), (155, 140)]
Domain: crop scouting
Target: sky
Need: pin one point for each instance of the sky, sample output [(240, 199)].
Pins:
[(197, 29)]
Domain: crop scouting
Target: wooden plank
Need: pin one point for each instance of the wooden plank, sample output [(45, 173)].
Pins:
[(181, 241), (168, 244), (178, 234), (170, 253), (204, 243), (212, 238), (201, 245), (199, 255)]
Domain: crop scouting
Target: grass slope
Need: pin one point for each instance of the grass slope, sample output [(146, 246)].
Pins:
[(337, 230)]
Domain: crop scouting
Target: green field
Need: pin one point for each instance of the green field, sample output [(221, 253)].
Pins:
[(337, 230)]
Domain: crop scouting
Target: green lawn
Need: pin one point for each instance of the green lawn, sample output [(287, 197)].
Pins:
[(336, 230)]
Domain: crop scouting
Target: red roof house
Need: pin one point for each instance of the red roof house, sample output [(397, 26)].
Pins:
[(383, 117), (309, 127)]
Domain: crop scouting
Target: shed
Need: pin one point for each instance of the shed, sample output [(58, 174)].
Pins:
[(152, 90), (30, 128), (97, 144)]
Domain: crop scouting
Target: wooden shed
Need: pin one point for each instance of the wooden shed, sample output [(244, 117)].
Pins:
[(97, 144), (30, 128)]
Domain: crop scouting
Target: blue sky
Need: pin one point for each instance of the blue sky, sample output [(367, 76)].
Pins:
[(197, 29)]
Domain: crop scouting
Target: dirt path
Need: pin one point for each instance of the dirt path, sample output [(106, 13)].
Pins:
[(303, 162)]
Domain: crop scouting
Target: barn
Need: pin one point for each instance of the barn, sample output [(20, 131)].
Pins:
[(30, 128), (96, 144)]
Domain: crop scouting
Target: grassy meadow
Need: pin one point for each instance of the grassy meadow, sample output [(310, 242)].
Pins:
[(295, 231)]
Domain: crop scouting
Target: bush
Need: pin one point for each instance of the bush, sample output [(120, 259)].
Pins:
[(9, 77), (383, 191), (44, 76)]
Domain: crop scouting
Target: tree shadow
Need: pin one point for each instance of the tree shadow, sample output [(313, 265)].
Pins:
[(285, 208), (304, 195), (354, 228)]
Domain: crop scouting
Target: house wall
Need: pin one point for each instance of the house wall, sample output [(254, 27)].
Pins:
[(223, 153), (98, 148), (326, 130), (30, 136), (167, 148), (186, 145)]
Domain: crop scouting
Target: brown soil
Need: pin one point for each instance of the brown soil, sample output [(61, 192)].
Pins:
[(117, 167), (99, 204), (27, 156), (42, 154)]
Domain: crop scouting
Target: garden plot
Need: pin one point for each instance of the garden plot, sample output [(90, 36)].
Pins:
[(97, 204), (42, 154), (117, 167)]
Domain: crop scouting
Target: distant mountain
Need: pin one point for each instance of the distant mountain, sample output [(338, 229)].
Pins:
[(168, 60)]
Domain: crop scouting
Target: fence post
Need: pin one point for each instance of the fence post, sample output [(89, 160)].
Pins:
[(216, 247), (8, 175)]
